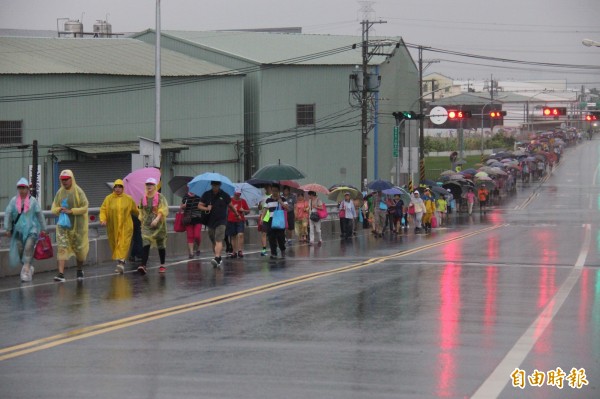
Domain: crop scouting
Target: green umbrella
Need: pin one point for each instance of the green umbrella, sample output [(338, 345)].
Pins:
[(278, 171)]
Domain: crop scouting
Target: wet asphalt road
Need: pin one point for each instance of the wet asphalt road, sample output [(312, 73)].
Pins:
[(447, 315)]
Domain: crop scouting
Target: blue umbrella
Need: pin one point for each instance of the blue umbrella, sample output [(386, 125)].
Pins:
[(379, 185), (201, 183), (251, 194)]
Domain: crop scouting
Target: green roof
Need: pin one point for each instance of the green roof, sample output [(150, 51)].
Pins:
[(25, 55), (284, 48)]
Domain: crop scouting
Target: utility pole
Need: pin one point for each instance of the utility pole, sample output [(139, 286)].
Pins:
[(421, 121), (34, 170), (365, 97)]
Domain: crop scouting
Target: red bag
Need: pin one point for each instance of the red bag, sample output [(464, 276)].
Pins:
[(434, 222), (43, 247), (179, 226)]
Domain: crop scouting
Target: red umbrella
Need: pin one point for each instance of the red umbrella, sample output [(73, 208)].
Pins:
[(135, 182), (317, 188)]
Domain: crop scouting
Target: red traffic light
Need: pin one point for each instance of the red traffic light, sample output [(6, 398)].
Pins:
[(554, 111), (497, 114), (591, 117), (455, 114)]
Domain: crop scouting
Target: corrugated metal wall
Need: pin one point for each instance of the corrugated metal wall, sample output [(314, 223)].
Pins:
[(193, 112)]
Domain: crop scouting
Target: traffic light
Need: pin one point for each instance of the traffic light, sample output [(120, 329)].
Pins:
[(407, 115), (591, 117), (454, 115), (497, 114), (554, 111)]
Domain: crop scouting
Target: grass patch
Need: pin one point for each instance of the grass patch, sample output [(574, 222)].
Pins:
[(435, 165)]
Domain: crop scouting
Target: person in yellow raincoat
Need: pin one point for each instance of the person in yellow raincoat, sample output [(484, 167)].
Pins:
[(73, 240), (115, 214), (154, 210), (429, 209)]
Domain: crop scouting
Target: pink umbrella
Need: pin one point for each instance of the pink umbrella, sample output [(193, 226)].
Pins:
[(317, 188), (135, 182)]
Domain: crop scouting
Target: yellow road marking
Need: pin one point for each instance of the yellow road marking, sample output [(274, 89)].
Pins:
[(102, 328)]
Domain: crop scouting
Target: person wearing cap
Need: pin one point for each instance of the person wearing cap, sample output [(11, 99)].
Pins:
[(291, 218), (71, 241), (154, 210), (115, 213), (261, 227), (419, 209), (236, 223), (216, 202), (347, 213), (23, 221), (450, 201), (429, 209), (193, 225)]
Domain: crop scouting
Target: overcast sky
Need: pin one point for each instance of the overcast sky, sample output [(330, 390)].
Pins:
[(548, 31)]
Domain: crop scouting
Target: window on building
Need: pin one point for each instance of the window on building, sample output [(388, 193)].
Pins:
[(11, 132), (305, 114)]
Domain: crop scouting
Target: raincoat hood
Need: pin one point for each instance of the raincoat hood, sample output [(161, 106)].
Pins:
[(23, 182), (119, 182), (69, 173)]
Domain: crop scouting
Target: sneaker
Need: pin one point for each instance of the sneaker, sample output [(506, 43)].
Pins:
[(60, 277), (240, 254), (219, 262), (31, 270), (120, 269), (79, 274), (24, 275), (215, 262), (191, 256), (162, 269), (141, 269), (198, 253), (283, 254), (263, 252), (232, 255)]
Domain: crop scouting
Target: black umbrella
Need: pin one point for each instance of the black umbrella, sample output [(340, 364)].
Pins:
[(278, 171), (455, 188), (178, 185), (260, 183)]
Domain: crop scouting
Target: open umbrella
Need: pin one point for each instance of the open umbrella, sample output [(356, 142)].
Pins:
[(338, 193), (379, 185), (260, 183), (278, 171), (201, 183), (342, 185), (455, 188), (469, 171), (404, 195), (178, 185), (439, 190), (135, 182), (428, 182), (289, 183), (421, 190), (251, 194), (317, 188), (460, 162)]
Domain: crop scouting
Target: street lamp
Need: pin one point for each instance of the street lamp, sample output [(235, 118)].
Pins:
[(590, 43)]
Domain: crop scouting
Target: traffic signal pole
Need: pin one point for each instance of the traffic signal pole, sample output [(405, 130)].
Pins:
[(421, 121)]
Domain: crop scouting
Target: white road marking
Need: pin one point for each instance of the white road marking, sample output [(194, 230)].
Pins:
[(500, 377)]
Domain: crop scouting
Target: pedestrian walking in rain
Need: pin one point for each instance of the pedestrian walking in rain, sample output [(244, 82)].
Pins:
[(291, 219), (379, 213), (397, 213), (154, 210), (72, 235), (429, 209), (115, 213), (483, 195), (276, 236), (470, 197), (263, 229), (419, 210), (301, 218), (216, 202), (23, 221), (441, 206), (193, 227), (314, 204), (347, 213), (237, 223)]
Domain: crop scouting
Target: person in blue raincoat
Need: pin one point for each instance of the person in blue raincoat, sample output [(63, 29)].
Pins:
[(24, 221)]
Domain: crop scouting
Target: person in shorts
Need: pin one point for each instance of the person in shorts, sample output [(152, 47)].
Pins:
[(236, 224), (216, 202)]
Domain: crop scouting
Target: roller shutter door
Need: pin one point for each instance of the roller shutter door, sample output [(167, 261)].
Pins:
[(93, 174)]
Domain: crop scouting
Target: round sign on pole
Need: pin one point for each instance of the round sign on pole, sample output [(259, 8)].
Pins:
[(438, 115)]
